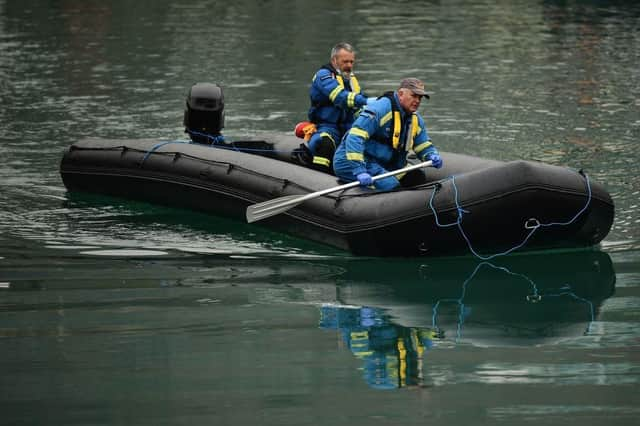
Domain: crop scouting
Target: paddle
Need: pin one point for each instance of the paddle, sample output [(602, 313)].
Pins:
[(276, 206)]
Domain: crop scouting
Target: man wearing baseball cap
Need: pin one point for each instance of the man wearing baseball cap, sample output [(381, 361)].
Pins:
[(382, 135)]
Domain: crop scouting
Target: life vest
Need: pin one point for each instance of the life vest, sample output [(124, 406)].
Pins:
[(395, 115), (353, 83), (354, 87)]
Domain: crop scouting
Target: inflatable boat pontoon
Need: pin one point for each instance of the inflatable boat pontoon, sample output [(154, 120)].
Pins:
[(470, 204)]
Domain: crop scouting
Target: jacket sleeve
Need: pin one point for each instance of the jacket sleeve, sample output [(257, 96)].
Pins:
[(337, 94), (422, 145), (365, 125)]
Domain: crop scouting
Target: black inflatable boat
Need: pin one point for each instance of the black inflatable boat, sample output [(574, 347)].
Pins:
[(471, 204)]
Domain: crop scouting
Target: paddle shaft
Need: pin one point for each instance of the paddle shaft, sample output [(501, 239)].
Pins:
[(356, 183), (269, 208)]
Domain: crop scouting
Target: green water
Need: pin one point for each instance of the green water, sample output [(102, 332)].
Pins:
[(117, 312)]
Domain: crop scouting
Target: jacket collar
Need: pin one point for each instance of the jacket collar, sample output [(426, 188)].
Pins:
[(403, 114)]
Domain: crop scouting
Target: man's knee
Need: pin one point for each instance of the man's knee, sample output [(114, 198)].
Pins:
[(302, 155), (387, 184), (323, 153)]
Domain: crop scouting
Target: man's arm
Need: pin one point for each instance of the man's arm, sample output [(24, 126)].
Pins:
[(337, 94), (365, 125), (422, 145)]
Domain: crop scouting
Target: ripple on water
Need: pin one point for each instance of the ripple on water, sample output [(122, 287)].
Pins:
[(124, 253)]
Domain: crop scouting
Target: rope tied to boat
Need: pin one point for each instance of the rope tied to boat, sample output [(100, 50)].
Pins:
[(531, 224), (219, 142), (155, 147), (216, 143), (213, 139)]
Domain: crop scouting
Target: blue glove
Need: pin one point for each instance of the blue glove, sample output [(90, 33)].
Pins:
[(364, 179), (435, 160)]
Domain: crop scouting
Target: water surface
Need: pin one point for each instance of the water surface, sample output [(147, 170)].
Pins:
[(120, 312)]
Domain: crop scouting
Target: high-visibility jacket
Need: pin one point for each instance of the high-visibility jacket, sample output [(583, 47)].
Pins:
[(334, 99), (384, 133)]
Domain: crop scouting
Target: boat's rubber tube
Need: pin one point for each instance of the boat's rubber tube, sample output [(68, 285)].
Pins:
[(489, 205)]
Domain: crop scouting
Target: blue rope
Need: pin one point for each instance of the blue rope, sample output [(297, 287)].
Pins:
[(216, 142), (155, 147), (532, 223), (219, 142)]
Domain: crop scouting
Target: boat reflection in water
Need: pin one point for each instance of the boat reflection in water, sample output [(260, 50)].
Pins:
[(525, 300)]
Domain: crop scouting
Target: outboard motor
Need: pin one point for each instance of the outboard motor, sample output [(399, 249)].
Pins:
[(204, 113)]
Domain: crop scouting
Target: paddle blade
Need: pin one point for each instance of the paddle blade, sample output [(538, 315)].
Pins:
[(273, 207)]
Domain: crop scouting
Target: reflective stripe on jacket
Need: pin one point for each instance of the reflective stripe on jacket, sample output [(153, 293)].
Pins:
[(334, 100), (380, 134)]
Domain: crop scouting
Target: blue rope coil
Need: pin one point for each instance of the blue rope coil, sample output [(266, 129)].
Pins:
[(532, 224)]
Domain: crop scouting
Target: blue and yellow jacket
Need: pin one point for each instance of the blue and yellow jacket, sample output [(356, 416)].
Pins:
[(380, 134), (334, 100)]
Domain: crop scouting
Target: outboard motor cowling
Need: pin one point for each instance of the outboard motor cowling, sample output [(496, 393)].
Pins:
[(204, 113)]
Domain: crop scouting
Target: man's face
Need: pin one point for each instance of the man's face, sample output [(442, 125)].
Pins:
[(409, 101), (344, 61)]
